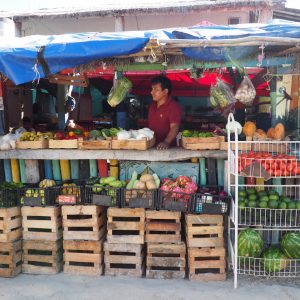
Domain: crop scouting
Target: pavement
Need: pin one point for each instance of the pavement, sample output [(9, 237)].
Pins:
[(65, 287)]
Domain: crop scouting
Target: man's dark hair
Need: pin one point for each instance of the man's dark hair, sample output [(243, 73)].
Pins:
[(164, 82)]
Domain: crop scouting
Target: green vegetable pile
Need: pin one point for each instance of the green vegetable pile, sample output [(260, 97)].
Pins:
[(104, 134), (189, 133), (9, 195)]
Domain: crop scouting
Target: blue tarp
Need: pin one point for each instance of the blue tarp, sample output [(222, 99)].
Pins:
[(19, 55)]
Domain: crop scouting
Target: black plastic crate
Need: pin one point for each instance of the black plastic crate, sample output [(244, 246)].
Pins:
[(36, 196), (211, 203), (175, 201), (139, 198), (106, 196), (9, 197), (75, 191)]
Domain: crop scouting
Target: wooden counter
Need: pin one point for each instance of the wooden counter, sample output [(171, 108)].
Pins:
[(173, 154)]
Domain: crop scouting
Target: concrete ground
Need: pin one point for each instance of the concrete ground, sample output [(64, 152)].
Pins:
[(29, 287)]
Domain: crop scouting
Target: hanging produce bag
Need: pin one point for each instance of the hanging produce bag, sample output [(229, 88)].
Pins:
[(246, 92), (119, 91), (221, 95)]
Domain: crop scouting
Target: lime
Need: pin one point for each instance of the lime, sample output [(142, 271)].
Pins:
[(298, 205), (242, 193), (273, 204), (291, 205), (283, 205), (251, 203), (251, 191), (263, 204), (252, 197)]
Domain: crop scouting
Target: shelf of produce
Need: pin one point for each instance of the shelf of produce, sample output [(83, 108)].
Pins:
[(173, 154), (268, 206)]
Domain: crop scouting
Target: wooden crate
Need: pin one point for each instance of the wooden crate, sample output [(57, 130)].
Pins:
[(42, 257), (204, 230), (165, 261), (271, 147), (10, 259), (10, 224), (241, 146), (126, 225), (132, 144), (43, 144), (84, 222), (124, 259), (63, 144), (94, 145), (42, 223), (163, 226), (83, 257), (201, 143), (207, 264)]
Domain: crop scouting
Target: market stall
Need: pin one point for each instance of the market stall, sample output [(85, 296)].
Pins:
[(66, 175)]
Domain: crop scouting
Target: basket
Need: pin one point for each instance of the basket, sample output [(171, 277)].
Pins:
[(9, 198), (175, 201), (139, 198), (105, 196), (71, 194)]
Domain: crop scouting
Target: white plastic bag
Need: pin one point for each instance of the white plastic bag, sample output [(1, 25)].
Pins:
[(246, 92)]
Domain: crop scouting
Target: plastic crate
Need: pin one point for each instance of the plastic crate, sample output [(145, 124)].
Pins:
[(139, 198), (74, 194), (209, 203), (9, 197), (106, 196), (36, 196), (175, 201)]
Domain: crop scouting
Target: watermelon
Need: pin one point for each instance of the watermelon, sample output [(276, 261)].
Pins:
[(273, 260), (250, 243), (290, 245)]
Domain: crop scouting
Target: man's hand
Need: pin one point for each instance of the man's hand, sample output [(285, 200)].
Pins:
[(162, 146)]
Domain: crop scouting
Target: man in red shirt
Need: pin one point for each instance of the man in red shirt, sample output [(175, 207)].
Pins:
[(164, 114)]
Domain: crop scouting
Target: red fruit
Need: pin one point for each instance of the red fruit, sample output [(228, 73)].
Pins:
[(59, 135)]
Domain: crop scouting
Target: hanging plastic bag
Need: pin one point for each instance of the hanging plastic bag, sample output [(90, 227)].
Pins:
[(246, 92), (221, 95), (119, 91)]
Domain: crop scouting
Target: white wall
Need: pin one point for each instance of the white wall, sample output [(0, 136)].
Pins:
[(142, 22)]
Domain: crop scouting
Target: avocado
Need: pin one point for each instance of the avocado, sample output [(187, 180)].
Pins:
[(273, 204), (252, 203), (251, 191), (264, 198), (291, 205), (263, 204), (252, 197), (242, 193)]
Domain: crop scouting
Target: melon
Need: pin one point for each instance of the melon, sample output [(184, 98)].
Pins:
[(250, 243), (290, 245), (273, 260)]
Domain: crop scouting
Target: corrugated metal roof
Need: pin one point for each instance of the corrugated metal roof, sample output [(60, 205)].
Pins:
[(289, 14), (116, 7)]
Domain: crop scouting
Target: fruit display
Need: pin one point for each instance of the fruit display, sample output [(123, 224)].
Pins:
[(46, 183), (280, 165), (250, 243), (140, 134), (208, 196), (290, 245), (265, 199), (70, 189), (9, 193), (141, 189), (35, 136), (180, 190), (103, 134), (70, 135), (195, 133), (273, 260)]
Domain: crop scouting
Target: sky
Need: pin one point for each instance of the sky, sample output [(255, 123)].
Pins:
[(38, 4)]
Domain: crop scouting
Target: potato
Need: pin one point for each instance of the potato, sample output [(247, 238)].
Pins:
[(151, 185), (146, 177)]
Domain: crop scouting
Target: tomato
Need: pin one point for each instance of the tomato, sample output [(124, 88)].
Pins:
[(277, 173)]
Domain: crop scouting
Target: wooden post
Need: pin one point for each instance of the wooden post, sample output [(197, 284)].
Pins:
[(93, 168), (2, 173), (273, 96), (15, 170), (48, 169), (22, 167), (202, 172), (84, 168), (220, 168), (7, 170), (65, 169), (211, 168), (61, 96), (32, 171), (102, 168), (56, 170), (74, 169)]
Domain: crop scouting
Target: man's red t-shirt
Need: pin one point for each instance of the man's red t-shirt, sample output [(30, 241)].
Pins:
[(159, 119)]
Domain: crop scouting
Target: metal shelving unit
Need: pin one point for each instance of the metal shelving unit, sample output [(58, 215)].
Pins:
[(269, 160)]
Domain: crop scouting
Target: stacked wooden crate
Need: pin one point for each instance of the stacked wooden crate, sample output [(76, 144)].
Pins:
[(10, 241), (42, 240), (165, 250), (124, 248), (206, 252), (84, 231)]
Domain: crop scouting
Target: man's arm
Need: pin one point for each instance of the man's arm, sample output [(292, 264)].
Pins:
[(174, 129)]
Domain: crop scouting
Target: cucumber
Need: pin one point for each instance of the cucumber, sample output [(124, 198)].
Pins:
[(156, 180), (132, 180)]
